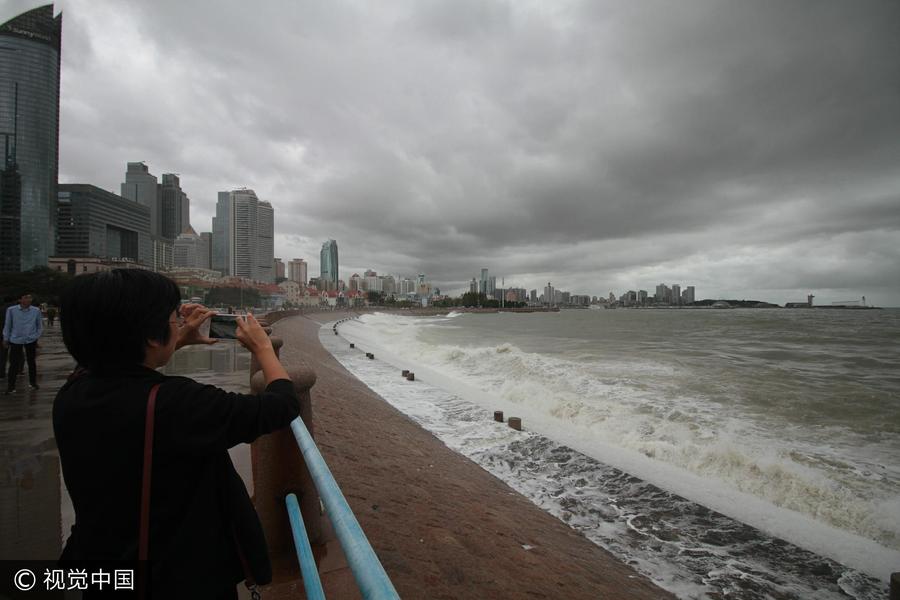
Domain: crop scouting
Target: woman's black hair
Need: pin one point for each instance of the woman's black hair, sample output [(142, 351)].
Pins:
[(108, 317)]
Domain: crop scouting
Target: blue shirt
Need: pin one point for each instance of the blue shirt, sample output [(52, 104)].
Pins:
[(22, 326)]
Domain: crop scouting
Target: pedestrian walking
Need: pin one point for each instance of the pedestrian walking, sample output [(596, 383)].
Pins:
[(51, 315), (21, 330), (4, 351)]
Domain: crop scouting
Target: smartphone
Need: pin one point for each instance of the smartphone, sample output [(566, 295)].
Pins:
[(223, 327)]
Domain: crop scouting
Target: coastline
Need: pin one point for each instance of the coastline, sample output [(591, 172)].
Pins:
[(441, 525)]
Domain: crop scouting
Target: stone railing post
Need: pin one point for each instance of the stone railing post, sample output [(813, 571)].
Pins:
[(279, 469)]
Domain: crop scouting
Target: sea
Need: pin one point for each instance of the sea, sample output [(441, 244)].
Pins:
[(744, 453)]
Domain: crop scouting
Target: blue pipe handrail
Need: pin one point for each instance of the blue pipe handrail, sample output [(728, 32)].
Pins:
[(311, 582), (370, 576)]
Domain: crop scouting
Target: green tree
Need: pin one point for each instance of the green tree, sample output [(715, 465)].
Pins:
[(45, 284)]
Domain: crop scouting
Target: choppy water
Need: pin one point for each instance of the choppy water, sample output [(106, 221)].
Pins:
[(639, 420)]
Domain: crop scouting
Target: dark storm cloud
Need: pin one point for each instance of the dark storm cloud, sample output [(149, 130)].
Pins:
[(603, 145)]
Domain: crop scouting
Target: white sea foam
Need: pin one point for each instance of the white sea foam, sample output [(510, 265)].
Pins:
[(701, 451)]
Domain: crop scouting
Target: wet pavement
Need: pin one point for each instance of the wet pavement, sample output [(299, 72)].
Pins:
[(35, 512)]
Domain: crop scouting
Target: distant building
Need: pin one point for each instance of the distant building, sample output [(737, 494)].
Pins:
[(329, 262), (407, 286), (293, 291), (687, 296), (548, 293), (206, 245), (29, 137), (265, 242), (492, 287), (663, 294), (91, 222), (423, 288), (642, 297), (297, 271), (279, 268), (483, 283), (189, 250), (174, 207), (141, 186), (84, 265), (355, 282), (163, 254), (389, 285), (676, 294), (243, 236)]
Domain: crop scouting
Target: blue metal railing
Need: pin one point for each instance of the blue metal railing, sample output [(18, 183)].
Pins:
[(370, 576), (311, 582)]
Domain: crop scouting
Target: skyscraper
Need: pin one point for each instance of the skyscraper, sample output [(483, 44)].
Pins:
[(221, 234), (243, 236), (141, 186), (329, 262), (265, 242), (29, 128), (174, 207)]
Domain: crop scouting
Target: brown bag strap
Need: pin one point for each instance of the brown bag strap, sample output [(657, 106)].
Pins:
[(144, 539)]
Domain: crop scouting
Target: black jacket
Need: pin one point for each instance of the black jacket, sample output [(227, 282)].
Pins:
[(197, 499)]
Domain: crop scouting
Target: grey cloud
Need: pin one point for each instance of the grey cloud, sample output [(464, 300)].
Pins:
[(597, 143)]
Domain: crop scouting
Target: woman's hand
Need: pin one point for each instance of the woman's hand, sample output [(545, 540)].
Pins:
[(251, 335), (193, 316), (255, 339)]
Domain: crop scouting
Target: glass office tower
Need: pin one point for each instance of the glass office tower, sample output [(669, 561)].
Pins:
[(29, 137), (329, 263)]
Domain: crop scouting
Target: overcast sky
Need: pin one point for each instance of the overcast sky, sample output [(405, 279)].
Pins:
[(751, 149)]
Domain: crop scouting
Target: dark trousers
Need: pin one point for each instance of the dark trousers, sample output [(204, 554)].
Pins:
[(15, 363), (3, 352)]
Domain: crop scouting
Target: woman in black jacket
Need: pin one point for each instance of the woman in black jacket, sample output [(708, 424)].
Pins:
[(204, 536)]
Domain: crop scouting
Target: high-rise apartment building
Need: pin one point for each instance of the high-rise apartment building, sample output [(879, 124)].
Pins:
[(91, 222), (663, 294), (676, 294), (243, 236), (329, 262), (483, 282), (279, 269), (687, 296), (297, 271), (29, 134), (265, 244)]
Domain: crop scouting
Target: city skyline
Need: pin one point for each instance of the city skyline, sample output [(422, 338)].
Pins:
[(588, 144)]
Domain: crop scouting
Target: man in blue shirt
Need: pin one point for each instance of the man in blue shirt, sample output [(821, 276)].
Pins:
[(21, 331)]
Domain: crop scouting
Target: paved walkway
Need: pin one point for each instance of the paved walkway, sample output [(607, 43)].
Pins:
[(30, 481)]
